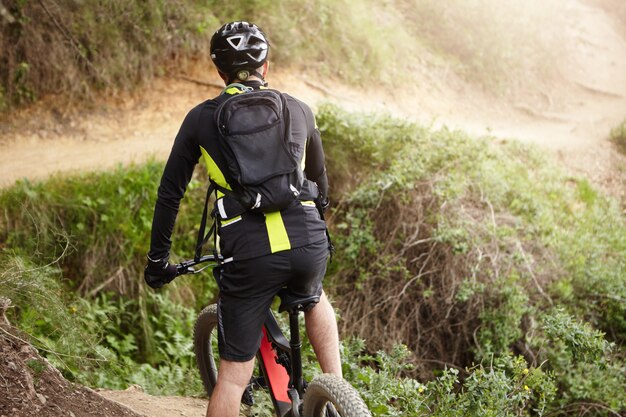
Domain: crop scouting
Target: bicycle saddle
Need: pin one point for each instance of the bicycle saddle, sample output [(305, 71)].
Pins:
[(292, 303)]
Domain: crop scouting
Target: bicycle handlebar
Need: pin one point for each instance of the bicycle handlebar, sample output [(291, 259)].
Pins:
[(186, 267)]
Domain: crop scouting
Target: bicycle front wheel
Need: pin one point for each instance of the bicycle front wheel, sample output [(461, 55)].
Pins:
[(329, 396), (205, 346)]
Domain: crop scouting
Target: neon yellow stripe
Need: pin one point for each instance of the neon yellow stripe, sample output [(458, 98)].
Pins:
[(215, 174), (308, 203), (233, 90), (229, 221), (277, 232)]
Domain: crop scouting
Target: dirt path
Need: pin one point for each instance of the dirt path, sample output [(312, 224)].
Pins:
[(151, 406), (571, 122)]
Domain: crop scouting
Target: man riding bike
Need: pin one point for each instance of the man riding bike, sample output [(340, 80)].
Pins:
[(262, 251)]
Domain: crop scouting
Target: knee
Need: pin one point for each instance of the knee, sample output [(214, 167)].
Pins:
[(235, 373)]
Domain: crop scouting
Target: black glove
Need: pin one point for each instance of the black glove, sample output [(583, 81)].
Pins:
[(159, 272), (324, 204)]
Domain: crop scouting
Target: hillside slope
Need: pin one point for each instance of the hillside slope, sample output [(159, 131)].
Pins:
[(32, 387), (570, 116)]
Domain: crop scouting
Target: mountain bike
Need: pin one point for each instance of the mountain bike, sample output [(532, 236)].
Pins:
[(279, 361)]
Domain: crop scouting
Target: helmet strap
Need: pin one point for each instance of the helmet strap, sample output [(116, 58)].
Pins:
[(258, 74)]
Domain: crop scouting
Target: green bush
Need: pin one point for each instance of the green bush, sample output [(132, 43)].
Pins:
[(95, 228), (79, 47), (98, 341), (457, 247), (98, 224), (507, 386)]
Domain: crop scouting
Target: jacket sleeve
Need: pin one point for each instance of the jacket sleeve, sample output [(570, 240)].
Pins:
[(178, 170), (315, 165)]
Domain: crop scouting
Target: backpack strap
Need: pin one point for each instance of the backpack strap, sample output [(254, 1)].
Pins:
[(202, 239)]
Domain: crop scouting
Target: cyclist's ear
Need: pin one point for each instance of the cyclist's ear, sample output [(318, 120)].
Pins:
[(265, 68)]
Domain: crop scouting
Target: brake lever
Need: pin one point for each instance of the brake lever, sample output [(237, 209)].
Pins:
[(184, 270), (188, 270), (187, 267)]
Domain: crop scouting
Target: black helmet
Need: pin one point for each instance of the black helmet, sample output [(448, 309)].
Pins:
[(238, 46)]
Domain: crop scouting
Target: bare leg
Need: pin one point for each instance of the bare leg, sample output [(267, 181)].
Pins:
[(321, 327), (232, 379)]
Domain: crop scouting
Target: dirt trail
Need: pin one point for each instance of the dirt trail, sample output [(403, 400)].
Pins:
[(571, 121), (151, 406)]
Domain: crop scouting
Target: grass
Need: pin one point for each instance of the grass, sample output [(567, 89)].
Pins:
[(76, 49), (497, 272)]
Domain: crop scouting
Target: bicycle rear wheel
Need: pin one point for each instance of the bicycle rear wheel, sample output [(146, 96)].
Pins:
[(205, 346), (330, 395)]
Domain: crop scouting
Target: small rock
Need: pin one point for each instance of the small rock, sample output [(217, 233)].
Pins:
[(42, 398), (72, 414), (12, 366), (28, 349), (134, 387)]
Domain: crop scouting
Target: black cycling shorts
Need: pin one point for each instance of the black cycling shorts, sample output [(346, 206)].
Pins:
[(248, 287)]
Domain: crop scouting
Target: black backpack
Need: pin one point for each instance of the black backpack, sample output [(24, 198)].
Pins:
[(263, 160)]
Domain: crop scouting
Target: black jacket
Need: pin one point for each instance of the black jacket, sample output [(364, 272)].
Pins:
[(248, 234)]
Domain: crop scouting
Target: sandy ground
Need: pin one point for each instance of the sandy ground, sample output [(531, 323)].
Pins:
[(151, 406), (571, 122)]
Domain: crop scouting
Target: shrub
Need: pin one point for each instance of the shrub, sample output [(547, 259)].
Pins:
[(457, 247), (505, 387), (96, 228), (75, 48), (98, 341)]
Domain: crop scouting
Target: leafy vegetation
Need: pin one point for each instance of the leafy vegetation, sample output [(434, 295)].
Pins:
[(503, 278), (462, 250), (90, 234), (95, 341)]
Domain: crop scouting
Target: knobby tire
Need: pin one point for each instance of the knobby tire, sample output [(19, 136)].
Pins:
[(204, 335), (330, 389)]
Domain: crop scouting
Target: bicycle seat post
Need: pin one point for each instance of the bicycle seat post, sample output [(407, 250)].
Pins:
[(296, 351), (294, 304)]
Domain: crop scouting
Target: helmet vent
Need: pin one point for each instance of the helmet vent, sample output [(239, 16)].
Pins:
[(256, 55), (235, 41)]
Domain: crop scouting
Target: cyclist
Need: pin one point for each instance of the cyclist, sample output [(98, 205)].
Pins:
[(263, 252)]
